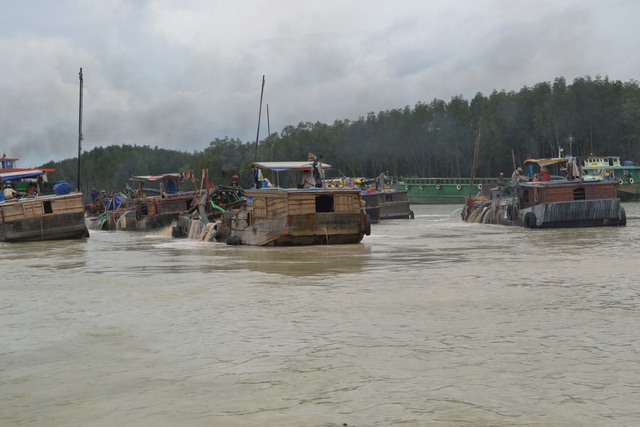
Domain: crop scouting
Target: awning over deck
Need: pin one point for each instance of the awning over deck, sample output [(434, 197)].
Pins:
[(288, 166), (168, 176), (15, 176)]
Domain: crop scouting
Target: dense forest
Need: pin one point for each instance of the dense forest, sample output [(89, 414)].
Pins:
[(435, 139)]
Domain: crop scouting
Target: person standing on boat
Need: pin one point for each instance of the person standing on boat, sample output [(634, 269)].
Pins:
[(318, 172), (501, 180), (517, 176), (257, 176)]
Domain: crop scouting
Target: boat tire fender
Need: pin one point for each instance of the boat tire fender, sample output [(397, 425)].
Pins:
[(411, 214), (622, 217), (530, 220), (437, 186), (620, 181), (367, 225), (234, 241), (630, 180), (458, 187), (479, 186)]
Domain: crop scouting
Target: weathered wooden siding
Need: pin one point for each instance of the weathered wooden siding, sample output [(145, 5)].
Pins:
[(40, 206), (533, 195)]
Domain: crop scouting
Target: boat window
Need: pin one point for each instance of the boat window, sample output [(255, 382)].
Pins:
[(578, 194), (324, 203), (46, 205)]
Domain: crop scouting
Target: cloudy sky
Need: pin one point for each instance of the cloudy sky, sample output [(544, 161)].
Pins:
[(179, 73)]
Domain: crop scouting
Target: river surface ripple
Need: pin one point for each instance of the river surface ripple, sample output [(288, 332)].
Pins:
[(429, 321)]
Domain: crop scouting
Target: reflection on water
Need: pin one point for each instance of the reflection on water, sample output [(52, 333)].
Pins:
[(430, 321)]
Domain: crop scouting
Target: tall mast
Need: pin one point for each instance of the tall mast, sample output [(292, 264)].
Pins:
[(80, 130), (255, 150)]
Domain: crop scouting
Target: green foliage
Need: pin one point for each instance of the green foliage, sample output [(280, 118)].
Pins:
[(432, 139)]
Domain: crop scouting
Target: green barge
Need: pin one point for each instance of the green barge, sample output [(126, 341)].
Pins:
[(441, 191)]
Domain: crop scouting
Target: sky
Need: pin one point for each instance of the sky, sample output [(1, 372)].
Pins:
[(178, 74)]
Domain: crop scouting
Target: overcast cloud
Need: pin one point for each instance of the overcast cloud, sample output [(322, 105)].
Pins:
[(178, 73)]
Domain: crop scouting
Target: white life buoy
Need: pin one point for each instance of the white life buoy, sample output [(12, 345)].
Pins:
[(630, 180), (437, 186), (479, 186), (458, 187), (422, 187), (406, 187), (620, 181)]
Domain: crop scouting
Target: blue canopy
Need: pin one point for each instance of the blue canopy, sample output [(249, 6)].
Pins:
[(16, 176)]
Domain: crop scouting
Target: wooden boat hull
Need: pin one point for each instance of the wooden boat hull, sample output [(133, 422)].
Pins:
[(391, 204), (284, 218), (55, 217), (553, 205), (144, 214)]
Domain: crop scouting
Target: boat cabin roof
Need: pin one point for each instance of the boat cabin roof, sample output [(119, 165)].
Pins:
[(23, 174), (601, 162), (288, 166), (546, 162), (152, 178)]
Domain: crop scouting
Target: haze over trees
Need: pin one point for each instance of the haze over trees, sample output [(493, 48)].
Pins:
[(430, 139)]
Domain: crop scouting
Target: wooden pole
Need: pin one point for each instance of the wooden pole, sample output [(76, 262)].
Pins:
[(255, 150), (475, 163), (80, 130)]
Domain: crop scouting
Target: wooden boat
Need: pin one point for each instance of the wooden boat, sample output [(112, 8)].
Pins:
[(610, 168), (41, 217), (556, 203), (137, 211), (280, 216), (381, 201)]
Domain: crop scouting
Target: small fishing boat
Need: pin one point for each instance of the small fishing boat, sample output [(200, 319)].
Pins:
[(566, 200), (142, 209), (610, 168), (273, 216), (32, 215)]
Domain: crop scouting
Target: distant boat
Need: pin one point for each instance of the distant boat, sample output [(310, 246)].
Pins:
[(140, 210), (605, 168), (272, 216), (554, 203), (440, 191), (39, 216), (381, 201)]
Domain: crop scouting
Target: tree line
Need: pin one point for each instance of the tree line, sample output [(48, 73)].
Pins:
[(434, 139)]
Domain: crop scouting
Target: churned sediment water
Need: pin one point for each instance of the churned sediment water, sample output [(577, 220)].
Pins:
[(430, 321)]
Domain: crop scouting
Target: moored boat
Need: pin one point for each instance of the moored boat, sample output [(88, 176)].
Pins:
[(552, 203), (611, 168), (273, 216), (440, 191)]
